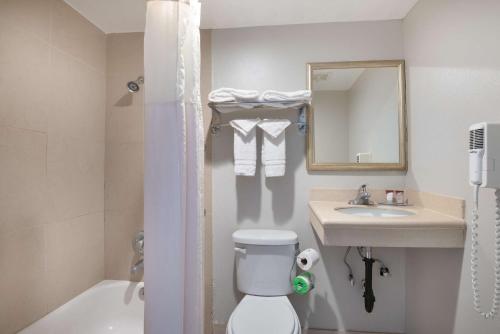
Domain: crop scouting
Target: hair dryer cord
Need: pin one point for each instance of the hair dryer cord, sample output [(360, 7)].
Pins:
[(474, 258)]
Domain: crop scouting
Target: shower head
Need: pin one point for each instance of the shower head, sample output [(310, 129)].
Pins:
[(134, 86)]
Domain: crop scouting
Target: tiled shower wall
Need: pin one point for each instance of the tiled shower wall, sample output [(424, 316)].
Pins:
[(52, 147), (124, 205)]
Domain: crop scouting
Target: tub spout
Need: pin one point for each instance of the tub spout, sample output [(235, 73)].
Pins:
[(137, 267)]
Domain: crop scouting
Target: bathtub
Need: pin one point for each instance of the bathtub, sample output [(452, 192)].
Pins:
[(108, 307)]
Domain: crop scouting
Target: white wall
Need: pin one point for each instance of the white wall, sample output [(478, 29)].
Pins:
[(373, 115), (452, 51), (275, 58), (331, 126)]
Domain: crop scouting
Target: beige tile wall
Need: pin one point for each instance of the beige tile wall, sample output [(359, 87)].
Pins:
[(71, 152), (52, 123), (124, 154)]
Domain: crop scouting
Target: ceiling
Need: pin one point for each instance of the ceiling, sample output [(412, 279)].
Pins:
[(114, 16)]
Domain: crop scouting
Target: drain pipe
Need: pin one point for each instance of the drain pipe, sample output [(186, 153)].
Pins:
[(368, 294)]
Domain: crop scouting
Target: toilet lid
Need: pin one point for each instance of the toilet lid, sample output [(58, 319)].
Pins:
[(257, 314)]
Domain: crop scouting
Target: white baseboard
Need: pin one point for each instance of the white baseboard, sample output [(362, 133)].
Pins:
[(221, 329)]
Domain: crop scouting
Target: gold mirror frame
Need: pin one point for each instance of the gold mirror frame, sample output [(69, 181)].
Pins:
[(402, 165)]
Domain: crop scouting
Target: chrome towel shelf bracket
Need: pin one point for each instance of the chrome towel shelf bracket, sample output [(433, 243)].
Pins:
[(225, 108)]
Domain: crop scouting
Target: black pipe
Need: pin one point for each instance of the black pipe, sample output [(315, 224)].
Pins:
[(368, 294)]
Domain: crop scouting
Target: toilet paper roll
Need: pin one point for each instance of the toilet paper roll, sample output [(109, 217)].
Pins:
[(307, 259), (303, 283)]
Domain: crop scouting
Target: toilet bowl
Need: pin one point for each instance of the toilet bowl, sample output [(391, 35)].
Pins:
[(257, 314), (265, 264)]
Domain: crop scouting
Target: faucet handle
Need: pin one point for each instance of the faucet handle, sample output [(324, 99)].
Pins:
[(138, 243), (363, 197), (363, 188)]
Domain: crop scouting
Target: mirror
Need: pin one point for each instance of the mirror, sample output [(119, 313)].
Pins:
[(357, 119)]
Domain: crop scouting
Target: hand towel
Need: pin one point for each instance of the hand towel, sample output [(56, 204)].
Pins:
[(245, 146), (233, 95), (273, 146), (273, 95)]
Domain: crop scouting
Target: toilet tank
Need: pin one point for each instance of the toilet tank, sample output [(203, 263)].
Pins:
[(265, 261)]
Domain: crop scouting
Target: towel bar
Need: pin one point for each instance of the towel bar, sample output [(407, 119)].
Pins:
[(216, 124)]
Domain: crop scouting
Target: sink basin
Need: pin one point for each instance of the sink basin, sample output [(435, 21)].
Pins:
[(375, 212)]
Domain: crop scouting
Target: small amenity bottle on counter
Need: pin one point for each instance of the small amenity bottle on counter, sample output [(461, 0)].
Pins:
[(389, 196), (400, 196)]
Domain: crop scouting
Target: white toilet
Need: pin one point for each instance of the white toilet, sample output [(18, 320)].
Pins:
[(265, 266)]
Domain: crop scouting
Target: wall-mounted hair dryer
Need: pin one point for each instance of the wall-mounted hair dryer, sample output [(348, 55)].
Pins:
[(484, 171)]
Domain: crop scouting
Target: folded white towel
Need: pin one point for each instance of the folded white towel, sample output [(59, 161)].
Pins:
[(245, 146), (273, 146), (233, 95), (274, 95)]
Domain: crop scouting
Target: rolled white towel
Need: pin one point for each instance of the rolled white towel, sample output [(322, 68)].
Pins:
[(274, 95), (233, 95)]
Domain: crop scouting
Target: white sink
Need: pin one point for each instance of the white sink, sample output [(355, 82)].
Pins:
[(375, 212)]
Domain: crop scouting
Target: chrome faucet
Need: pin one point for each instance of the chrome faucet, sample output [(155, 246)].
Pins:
[(138, 245), (137, 267), (363, 197)]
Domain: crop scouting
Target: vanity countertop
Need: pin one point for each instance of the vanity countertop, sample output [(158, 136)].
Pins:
[(327, 215), (424, 228)]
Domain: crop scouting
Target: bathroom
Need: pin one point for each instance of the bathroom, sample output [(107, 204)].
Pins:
[(88, 161)]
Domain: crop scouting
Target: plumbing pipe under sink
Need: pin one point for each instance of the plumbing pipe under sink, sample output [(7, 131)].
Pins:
[(368, 295)]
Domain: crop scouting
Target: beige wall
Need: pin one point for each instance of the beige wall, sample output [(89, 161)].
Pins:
[(52, 117), (124, 205), (453, 66)]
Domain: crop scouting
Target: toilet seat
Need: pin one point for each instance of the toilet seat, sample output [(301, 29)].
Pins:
[(258, 314)]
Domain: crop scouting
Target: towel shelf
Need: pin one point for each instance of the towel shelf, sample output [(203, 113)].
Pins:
[(219, 108)]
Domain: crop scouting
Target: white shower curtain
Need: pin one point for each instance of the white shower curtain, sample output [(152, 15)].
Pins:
[(173, 180)]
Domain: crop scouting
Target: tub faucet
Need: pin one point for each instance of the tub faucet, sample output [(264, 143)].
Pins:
[(137, 267), (138, 245), (362, 198)]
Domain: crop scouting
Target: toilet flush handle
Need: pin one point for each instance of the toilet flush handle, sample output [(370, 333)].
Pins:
[(240, 250)]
